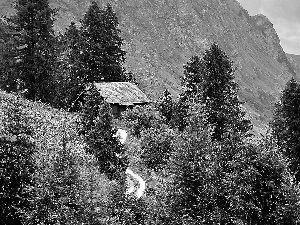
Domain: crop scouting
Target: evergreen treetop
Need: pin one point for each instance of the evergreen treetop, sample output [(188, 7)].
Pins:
[(36, 57), (99, 135), (286, 124), (210, 81), (166, 105), (103, 56)]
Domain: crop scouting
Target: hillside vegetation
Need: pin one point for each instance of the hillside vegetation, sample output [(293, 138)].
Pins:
[(52, 128), (60, 160), (160, 36)]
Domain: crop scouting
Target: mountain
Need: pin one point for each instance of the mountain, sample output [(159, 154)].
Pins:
[(161, 35), (295, 62)]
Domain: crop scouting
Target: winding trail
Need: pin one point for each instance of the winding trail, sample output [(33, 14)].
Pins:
[(142, 184), (131, 176)]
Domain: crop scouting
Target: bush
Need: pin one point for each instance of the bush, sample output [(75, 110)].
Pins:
[(141, 118), (156, 145), (17, 166), (193, 167), (217, 185), (59, 192)]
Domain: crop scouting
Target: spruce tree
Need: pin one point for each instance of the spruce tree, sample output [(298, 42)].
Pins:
[(36, 55), (286, 124), (17, 166), (210, 81), (9, 80), (99, 135), (102, 56), (70, 84), (181, 109), (115, 56), (166, 106)]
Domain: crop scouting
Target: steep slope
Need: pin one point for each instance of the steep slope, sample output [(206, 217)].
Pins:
[(295, 62), (161, 35)]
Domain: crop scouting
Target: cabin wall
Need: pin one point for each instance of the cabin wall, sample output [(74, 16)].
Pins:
[(118, 109)]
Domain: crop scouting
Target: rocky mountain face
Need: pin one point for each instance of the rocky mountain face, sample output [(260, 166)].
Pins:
[(161, 35)]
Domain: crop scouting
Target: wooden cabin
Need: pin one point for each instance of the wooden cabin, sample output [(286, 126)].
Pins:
[(121, 95)]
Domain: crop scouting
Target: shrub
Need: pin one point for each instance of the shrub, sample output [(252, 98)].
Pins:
[(17, 166), (156, 145), (141, 118), (217, 185)]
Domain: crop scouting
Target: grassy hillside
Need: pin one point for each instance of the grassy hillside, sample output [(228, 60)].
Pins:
[(50, 127), (53, 127)]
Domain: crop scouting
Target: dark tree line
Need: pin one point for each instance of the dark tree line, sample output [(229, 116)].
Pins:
[(286, 124), (219, 174), (56, 69)]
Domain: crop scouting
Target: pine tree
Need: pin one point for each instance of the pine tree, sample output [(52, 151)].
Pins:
[(36, 56), (99, 135), (181, 108), (115, 56), (17, 167), (286, 124), (70, 83), (8, 77), (166, 106), (210, 81), (102, 57)]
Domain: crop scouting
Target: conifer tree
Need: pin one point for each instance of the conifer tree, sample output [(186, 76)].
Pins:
[(166, 106), (99, 135), (210, 81), (181, 108), (9, 80), (17, 167), (36, 55), (286, 124), (70, 84), (102, 57)]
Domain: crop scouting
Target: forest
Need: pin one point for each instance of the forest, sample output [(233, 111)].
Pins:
[(61, 163)]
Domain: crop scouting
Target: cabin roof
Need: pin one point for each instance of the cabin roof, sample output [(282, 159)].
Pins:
[(122, 93)]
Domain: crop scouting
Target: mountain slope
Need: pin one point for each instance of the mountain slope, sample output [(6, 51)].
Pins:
[(161, 35)]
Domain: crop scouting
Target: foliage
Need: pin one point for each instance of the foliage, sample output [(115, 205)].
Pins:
[(180, 113), (130, 77), (53, 129), (166, 106), (193, 188), (17, 166), (102, 56), (60, 199), (269, 193), (36, 54), (99, 135), (141, 118), (9, 80), (156, 145), (69, 82), (209, 81), (286, 124), (252, 185)]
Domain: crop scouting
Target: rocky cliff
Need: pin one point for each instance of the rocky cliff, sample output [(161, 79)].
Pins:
[(161, 36)]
